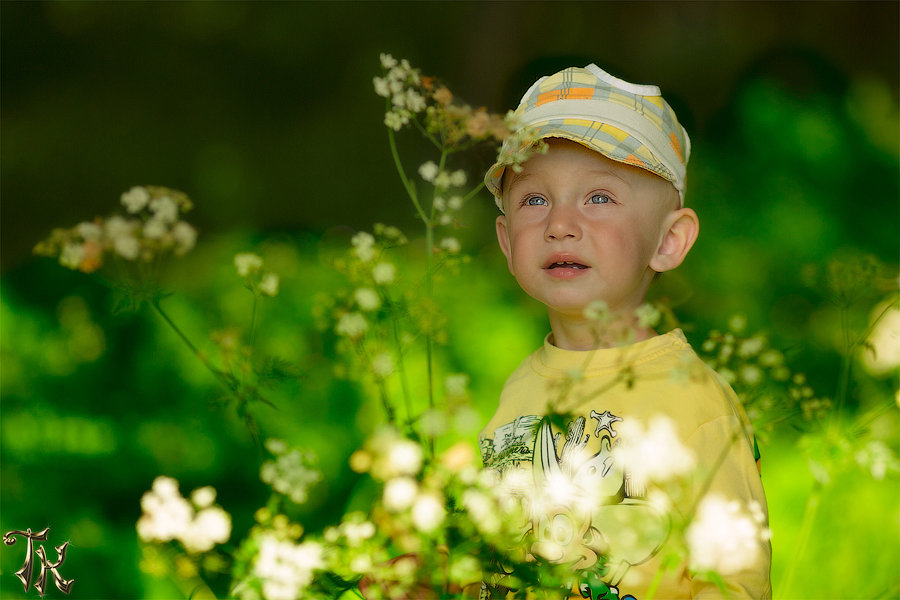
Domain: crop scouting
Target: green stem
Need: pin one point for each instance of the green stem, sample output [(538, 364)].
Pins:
[(385, 401), (253, 320), (657, 578), (407, 184), (425, 133), (809, 516), (401, 364), (473, 192), (216, 373)]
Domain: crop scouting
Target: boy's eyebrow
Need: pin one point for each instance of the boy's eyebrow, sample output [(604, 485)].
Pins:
[(517, 177), (610, 173)]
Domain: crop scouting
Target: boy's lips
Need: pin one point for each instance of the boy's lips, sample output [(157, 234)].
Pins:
[(565, 266)]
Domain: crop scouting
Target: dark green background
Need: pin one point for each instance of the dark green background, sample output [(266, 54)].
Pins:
[(264, 114)]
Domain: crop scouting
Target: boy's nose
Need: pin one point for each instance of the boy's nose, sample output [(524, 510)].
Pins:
[(562, 223)]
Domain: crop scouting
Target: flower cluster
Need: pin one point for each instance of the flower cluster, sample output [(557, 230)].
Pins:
[(292, 472), (759, 373), (150, 228), (411, 95), (726, 537), (199, 525), (285, 568), (249, 266)]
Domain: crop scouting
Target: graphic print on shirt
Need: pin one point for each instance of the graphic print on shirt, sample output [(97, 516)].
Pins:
[(585, 509)]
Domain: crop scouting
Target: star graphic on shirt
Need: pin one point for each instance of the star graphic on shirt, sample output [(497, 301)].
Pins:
[(605, 421)]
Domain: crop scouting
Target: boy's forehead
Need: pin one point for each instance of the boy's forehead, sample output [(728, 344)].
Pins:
[(560, 153)]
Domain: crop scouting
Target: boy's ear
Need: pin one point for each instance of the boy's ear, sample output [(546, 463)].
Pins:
[(503, 240), (680, 230)]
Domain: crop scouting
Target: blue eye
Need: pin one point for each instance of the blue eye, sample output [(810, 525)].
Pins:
[(534, 201), (599, 199)]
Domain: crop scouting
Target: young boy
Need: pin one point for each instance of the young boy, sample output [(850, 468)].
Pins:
[(596, 218)]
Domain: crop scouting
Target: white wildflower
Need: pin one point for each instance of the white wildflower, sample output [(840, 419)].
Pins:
[(383, 364), (751, 346), (166, 515), (352, 325), (455, 202), (428, 171), (456, 385), (367, 299), (751, 374), (722, 537), (597, 310), (728, 375), (135, 199), (164, 209), (268, 285), (211, 526), (71, 255), (381, 87), (400, 493), (358, 531), (362, 564), (442, 180), (165, 487), (383, 273), (276, 446), (89, 231), (127, 247), (445, 219), (387, 61), (414, 101), (291, 474), (458, 178), (155, 229), (395, 120), (482, 509), (737, 323), (286, 569), (404, 457), (246, 263), (363, 246), (654, 454), (771, 358), (878, 458), (439, 204), (428, 512), (185, 237), (117, 227), (647, 315), (451, 245), (399, 101), (203, 497)]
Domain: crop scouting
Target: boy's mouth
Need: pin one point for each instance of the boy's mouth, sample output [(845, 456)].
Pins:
[(566, 264), (564, 261)]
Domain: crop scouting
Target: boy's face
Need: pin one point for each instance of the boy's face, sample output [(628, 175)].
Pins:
[(580, 227)]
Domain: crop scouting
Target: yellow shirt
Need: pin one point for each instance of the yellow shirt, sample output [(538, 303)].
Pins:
[(606, 396)]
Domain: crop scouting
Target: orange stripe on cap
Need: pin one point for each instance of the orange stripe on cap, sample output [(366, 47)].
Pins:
[(579, 93), (631, 159), (677, 146)]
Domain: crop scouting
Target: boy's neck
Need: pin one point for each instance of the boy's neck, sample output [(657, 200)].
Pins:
[(586, 334)]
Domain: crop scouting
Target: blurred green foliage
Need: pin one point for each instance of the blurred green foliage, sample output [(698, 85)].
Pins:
[(795, 164)]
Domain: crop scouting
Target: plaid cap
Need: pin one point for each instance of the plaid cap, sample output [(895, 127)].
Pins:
[(623, 121)]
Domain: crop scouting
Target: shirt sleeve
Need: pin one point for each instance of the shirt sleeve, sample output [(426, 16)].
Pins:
[(730, 470)]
